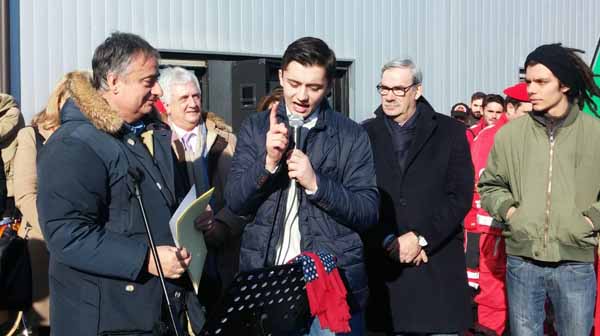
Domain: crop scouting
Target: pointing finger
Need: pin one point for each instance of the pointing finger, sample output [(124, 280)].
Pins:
[(273, 115)]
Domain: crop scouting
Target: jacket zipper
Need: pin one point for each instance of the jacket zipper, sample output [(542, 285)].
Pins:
[(549, 190)]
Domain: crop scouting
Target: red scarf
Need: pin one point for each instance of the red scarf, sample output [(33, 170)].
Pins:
[(325, 290)]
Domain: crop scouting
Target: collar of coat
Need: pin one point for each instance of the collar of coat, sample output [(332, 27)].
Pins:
[(424, 110), (545, 120), (91, 104), (213, 121), (322, 120)]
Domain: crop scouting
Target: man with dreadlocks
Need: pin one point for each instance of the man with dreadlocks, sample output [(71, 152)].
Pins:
[(541, 179)]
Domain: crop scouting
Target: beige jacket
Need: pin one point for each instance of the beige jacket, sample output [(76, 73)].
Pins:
[(228, 254), (26, 186), (11, 121), (217, 127)]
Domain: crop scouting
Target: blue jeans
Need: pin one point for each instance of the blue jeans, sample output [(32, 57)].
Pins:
[(357, 326), (571, 287)]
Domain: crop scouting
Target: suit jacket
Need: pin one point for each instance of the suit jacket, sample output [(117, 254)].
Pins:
[(197, 167), (220, 147), (430, 197)]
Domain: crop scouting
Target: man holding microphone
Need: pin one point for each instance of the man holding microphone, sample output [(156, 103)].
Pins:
[(334, 196)]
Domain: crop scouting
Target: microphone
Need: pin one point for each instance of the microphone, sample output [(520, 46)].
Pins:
[(296, 122), (137, 175)]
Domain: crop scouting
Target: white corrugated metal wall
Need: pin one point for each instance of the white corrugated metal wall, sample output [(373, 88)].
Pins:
[(462, 45)]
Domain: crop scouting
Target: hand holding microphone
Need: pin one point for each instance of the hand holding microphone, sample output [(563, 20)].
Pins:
[(277, 140), (299, 166), (296, 122)]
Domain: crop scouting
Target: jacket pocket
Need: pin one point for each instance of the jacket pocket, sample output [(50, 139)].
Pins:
[(574, 230), (516, 227), (120, 306), (324, 225), (581, 268), (348, 249), (75, 304)]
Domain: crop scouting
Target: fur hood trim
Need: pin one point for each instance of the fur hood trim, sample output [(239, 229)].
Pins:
[(91, 103), (219, 122)]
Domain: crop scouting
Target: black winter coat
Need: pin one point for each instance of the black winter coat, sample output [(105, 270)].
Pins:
[(344, 205), (431, 197), (93, 224)]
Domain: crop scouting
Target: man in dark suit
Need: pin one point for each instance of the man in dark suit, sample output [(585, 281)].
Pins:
[(415, 256), (204, 144)]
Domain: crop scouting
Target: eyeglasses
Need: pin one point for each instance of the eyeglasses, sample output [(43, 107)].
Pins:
[(397, 90)]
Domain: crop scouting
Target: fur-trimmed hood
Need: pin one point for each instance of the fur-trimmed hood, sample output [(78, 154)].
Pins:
[(91, 104), (6, 102), (219, 123)]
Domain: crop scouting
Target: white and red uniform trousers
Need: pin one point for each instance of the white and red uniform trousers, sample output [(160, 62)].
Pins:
[(484, 245)]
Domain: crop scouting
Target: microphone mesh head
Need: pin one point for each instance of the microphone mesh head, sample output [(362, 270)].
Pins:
[(296, 120)]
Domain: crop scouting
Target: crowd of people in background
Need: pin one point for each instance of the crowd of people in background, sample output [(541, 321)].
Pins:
[(483, 222)]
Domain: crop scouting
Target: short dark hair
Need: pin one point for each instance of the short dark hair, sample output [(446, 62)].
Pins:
[(477, 95), (510, 100), (310, 51), (116, 53), (492, 98)]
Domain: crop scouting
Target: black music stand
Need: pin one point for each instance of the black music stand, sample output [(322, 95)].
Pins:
[(265, 302)]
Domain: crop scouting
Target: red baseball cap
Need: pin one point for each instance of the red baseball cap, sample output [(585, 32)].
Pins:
[(160, 106), (518, 92)]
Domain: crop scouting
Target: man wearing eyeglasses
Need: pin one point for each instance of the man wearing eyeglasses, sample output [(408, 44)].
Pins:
[(415, 257)]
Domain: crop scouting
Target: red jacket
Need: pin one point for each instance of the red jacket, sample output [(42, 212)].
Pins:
[(474, 130), (480, 149), (471, 218)]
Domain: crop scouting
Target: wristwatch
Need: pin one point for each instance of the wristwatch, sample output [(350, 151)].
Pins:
[(422, 240)]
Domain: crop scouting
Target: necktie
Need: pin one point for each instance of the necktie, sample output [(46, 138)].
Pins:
[(188, 141)]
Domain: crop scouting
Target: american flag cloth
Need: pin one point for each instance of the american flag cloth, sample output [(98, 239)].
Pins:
[(325, 290)]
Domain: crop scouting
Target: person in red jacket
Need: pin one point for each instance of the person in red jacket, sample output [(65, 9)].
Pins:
[(492, 107), (492, 110), (491, 299)]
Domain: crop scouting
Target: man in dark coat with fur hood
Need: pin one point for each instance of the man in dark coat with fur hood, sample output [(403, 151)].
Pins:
[(103, 279), (415, 258)]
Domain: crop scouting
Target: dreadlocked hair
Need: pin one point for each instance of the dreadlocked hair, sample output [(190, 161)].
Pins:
[(590, 88)]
